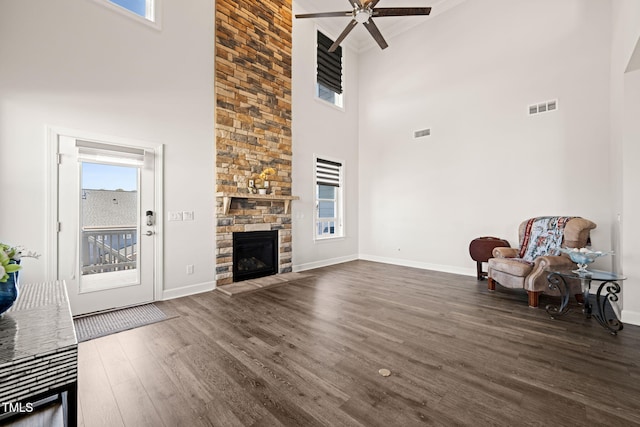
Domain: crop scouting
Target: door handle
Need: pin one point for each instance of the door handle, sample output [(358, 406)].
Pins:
[(149, 233)]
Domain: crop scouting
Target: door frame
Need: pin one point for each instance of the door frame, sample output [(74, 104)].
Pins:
[(53, 135)]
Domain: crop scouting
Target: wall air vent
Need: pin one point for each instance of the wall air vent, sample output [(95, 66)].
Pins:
[(543, 107), (422, 133)]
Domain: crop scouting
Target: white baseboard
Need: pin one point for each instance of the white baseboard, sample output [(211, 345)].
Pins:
[(386, 260), (324, 263), (631, 317), (421, 265), (187, 290)]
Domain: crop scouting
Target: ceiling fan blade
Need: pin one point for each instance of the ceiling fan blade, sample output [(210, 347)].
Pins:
[(344, 34), (357, 4), (324, 14), (372, 4), (401, 11), (375, 32)]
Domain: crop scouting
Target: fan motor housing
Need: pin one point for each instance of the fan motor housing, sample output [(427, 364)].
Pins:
[(362, 15)]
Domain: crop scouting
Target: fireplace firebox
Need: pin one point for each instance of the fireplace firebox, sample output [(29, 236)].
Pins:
[(255, 254)]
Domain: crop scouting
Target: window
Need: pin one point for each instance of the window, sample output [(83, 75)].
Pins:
[(139, 7), (328, 218), (329, 71), (146, 11)]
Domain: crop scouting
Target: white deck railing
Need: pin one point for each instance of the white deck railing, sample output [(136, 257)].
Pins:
[(106, 249)]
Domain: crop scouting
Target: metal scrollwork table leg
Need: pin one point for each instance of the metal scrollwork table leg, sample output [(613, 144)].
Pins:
[(613, 289), (557, 282)]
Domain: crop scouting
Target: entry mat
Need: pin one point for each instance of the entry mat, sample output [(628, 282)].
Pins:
[(107, 323)]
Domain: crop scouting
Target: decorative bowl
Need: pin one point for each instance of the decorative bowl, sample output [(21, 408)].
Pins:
[(583, 257)]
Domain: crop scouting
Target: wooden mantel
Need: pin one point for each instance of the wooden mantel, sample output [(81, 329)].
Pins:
[(228, 197)]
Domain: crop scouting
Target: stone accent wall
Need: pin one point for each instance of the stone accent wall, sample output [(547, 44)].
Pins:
[(253, 120)]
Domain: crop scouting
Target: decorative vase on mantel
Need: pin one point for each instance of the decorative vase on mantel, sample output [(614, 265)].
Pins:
[(8, 292)]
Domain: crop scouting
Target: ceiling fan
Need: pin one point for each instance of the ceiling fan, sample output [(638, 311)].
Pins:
[(363, 13)]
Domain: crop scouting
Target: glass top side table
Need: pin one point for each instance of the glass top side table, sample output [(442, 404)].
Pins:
[(608, 282)]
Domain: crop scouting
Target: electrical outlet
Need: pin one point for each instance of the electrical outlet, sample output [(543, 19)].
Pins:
[(175, 216), (189, 268), (187, 215)]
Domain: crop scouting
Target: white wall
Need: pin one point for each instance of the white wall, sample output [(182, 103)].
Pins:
[(625, 133), (78, 65), (469, 75), (631, 198), (321, 129)]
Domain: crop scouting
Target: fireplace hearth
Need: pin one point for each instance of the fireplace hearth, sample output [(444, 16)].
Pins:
[(255, 254)]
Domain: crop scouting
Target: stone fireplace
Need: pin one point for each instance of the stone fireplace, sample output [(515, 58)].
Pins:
[(248, 214), (253, 124)]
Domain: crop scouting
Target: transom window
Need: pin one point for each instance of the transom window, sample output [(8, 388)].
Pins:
[(142, 8), (329, 207), (147, 11), (329, 71)]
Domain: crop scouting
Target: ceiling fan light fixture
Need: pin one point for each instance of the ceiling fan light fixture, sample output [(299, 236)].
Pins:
[(363, 12), (362, 15)]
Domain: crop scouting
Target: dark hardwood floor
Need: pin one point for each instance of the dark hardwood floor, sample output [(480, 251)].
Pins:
[(308, 353)]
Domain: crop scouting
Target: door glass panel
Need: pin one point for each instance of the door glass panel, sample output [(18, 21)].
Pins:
[(108, 226)]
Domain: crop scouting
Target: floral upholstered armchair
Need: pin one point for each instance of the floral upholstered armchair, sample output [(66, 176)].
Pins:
[(528, 267)]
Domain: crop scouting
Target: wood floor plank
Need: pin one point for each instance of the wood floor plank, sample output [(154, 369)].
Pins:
[(308, 354), (95, 396), (135, 405), (114, 360), (171, 406)]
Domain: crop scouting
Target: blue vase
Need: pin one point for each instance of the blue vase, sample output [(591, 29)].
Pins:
[(8, 292)]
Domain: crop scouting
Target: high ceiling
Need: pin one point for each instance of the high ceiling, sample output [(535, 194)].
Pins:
[(359, 39)]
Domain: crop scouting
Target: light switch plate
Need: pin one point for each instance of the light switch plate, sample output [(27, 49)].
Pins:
[(175, 216), (187, 215)]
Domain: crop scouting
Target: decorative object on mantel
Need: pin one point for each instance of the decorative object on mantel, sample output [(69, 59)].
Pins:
[(583, 257), (10, 257), (260, 183), (228, 197)]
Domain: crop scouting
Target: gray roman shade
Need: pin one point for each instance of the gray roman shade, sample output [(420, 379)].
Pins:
[(329, 64)]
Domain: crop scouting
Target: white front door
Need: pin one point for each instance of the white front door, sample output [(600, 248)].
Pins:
[(106, 222)]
